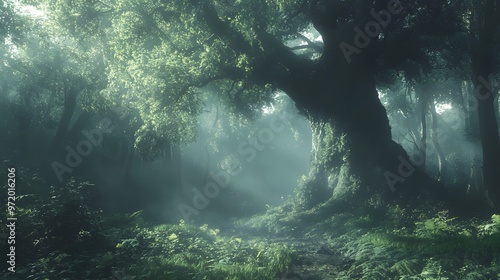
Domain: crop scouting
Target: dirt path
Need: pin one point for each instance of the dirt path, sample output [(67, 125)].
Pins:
[(317, 260)]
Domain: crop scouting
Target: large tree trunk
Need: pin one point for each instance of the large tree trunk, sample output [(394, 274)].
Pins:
[(329, 167), (353, 154), (353, 151), (486, 21), (490, 140)]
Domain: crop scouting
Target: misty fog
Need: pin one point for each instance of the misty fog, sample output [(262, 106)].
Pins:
[(250, 140)]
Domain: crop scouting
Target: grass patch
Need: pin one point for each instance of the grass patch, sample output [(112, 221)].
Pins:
[(188, 252)]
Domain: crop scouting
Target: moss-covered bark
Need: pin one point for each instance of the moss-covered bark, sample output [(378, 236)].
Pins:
[(352, 150)]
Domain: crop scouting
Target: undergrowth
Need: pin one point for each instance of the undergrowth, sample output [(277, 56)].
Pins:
[(65, 236), (188, 252)]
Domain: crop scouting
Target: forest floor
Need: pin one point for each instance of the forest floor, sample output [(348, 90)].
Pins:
[(342, 247), (64, 236), (402, 245), (316, 259)]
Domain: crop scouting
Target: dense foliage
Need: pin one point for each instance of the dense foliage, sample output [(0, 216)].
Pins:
[(250, 139)]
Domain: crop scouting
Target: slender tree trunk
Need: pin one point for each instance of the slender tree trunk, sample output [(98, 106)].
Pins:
[(70, 96), (129, 161), (497, 109), (422, 95), (80, 123), (465, 92), (25, 118), (176, 167), (24, 130), (435, 142), (472, 121)]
